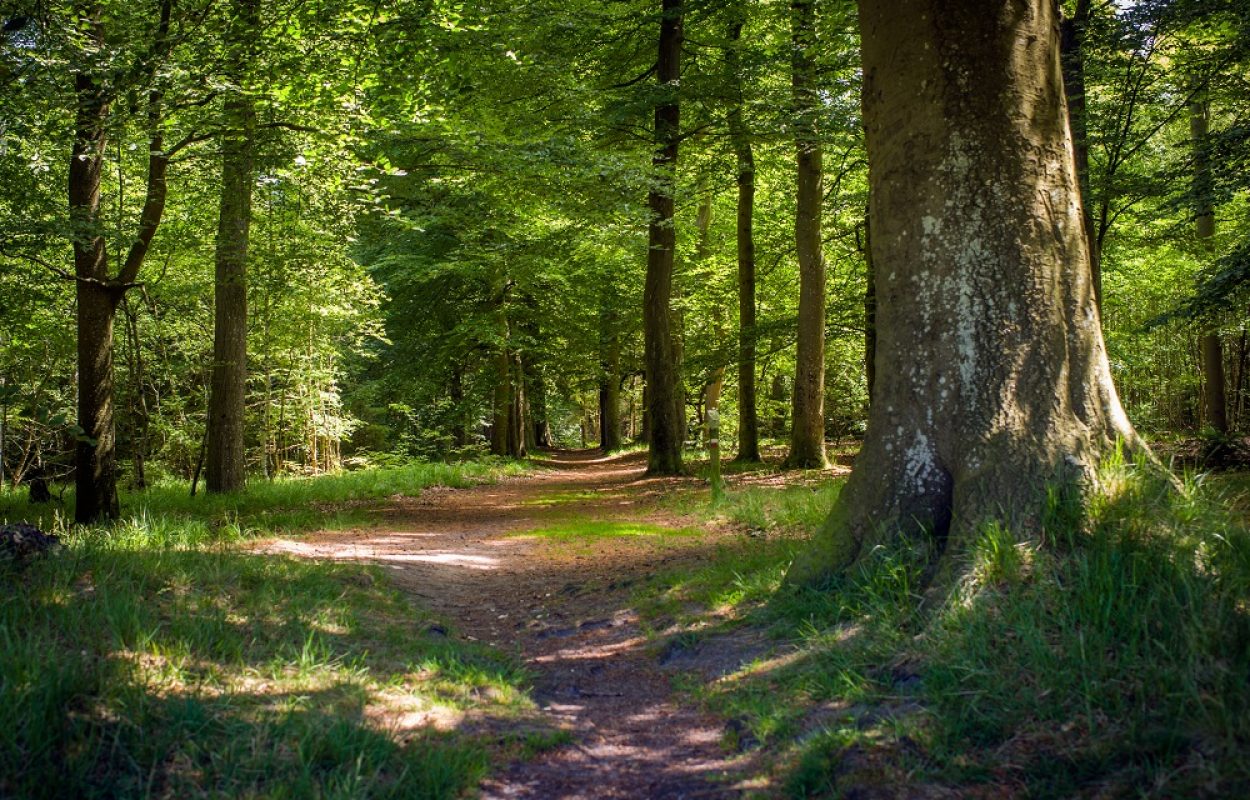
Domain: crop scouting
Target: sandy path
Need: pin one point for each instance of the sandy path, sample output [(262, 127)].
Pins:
[(564, 605)]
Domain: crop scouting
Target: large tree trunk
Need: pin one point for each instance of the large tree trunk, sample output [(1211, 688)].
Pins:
[(664, 415), (1211, 347), (994, 384), (226, 467), (807, 431), (748, 419), (1072, 53)]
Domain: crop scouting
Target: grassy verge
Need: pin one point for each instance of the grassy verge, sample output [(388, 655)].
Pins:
[(159, 658), (1110, 660), (284, 504)]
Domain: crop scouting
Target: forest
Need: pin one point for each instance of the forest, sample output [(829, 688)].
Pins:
[(624, 398)]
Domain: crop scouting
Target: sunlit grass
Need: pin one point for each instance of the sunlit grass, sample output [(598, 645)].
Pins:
[(286, 504), (1100, 658), (156, 657)]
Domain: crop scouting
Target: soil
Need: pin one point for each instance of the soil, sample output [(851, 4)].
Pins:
[(564, 604)]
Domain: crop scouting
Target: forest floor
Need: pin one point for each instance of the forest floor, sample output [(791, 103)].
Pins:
[(546, 565)]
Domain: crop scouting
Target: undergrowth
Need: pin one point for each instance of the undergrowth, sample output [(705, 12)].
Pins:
[(157, 657), (1110, 657)]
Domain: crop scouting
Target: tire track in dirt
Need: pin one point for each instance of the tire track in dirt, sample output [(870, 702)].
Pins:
[(564, 604)]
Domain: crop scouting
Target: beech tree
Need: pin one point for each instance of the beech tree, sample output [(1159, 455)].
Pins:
[(807, 427), (225, 468), (664, 414), (992, 382)]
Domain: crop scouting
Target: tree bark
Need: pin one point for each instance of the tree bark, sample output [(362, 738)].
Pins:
[(807, 423), (748, 418), (226, 468), (1072, 35), (870, 312), (995, 386), (663, 396)]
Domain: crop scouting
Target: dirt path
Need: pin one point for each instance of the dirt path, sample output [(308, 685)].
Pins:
[(561, 597)]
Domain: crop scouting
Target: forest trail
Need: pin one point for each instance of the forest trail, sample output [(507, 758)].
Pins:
[(544, 565)]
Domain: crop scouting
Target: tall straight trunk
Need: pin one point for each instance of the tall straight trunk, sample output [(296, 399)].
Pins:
[(663, 396), (807, 424), (499, 435), (609, 379), (517, 409), (459, 428), (748, 418), (995, 389), (1072, 36), (226, 467), (97, 292), (1211, 347)]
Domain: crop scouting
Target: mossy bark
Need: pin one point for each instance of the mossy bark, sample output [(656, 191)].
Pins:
[(992, 381)]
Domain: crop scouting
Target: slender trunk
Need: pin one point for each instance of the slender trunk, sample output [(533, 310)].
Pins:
[(517, 415), (459, 428), (1072, 35), (226, 467), (1211, 347), (140, 416), (609, 380), (807, 431), (748, 419), (663, 417)]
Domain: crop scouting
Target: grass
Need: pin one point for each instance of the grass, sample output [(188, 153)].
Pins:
[(1107, 659), (285, 504), (157, 657)]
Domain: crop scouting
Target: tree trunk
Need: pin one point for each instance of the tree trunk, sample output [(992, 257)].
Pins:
[(998, 388), (748, 419), (499, 436), (1214, 392), (609, 384), (517, 411), (663, 397), (1072, 54), (807, 424), (459, 428), (98, 294), (226, 467)]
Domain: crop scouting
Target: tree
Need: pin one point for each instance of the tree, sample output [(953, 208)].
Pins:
[(807, 426), (744, 155), (993, 386), (663, 412), (98, 291), (225, 470)]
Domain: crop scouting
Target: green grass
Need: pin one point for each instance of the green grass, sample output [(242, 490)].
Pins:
[(1112, 659), (157, 657), (588, 529), (286, 504)]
